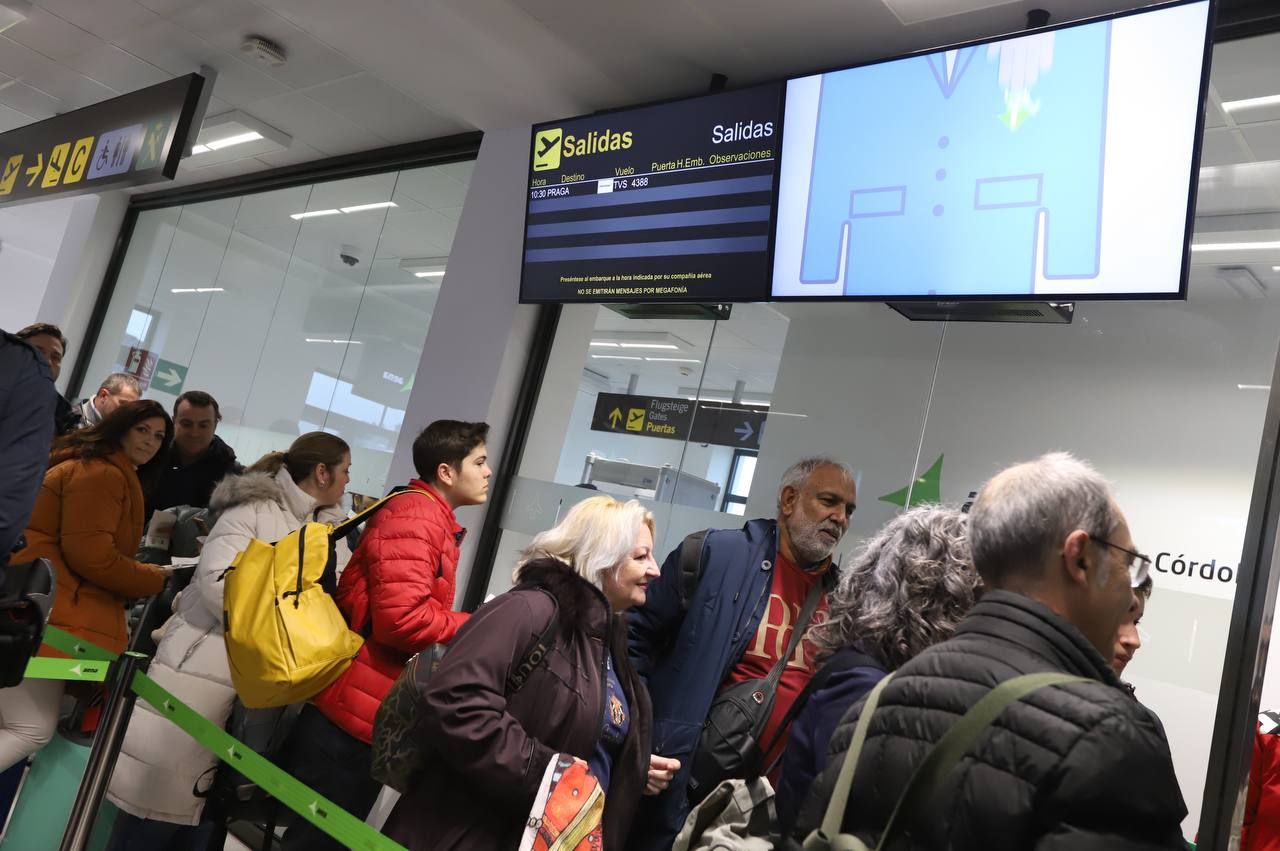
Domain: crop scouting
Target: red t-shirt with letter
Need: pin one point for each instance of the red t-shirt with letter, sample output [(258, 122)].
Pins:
[(791, 586)]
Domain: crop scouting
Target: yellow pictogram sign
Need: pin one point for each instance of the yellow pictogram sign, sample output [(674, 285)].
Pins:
[(546, 149), (10, 175)]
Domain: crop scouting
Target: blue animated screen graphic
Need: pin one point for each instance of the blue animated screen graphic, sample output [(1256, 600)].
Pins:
[(941, 174)]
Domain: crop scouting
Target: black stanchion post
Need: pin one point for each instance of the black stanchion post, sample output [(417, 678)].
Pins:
[(103, 754)]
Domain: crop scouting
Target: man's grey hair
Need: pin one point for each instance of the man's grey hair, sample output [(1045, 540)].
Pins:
[(906, 589), (798, 474), (1024, 513), (117, 381)]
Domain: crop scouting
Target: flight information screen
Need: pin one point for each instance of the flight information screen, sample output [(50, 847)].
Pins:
[(671, 202), (1059, 163)]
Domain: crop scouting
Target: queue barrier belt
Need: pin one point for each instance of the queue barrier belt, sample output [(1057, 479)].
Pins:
[(90, 663)]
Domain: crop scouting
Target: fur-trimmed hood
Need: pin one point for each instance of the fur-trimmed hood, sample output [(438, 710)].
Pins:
[(235, 491), (583, 606), (241, 490)]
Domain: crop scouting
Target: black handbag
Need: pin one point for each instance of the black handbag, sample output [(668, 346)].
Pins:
[(26, 596), (399, 751), (730, 746)]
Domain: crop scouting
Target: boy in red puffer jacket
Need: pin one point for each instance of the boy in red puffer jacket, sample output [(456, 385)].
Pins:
[(397, 591)]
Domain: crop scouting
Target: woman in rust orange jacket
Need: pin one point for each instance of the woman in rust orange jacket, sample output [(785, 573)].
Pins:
[(87, 522)]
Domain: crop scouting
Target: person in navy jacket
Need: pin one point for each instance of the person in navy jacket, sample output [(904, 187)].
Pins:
[(733, 626), (27, 400), (907, 590)]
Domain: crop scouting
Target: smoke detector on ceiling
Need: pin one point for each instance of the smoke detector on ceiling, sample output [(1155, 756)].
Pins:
[(264, 50)]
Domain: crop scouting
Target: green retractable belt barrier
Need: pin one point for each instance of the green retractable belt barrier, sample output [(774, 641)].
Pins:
[(76, 648), (43, 668), (90, 663), (286, 789)]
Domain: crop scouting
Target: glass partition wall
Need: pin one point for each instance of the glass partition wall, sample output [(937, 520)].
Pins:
[(1168, 400)]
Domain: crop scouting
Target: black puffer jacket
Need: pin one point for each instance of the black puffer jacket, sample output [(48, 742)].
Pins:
[(1079, 766)]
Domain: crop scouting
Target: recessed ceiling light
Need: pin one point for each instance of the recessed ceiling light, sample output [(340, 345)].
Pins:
[(615, 357), (424, 267), (311, 214), (229, 141), (674, 360), (198, 290), (359, 208), (1234, 246), (1250, 103), (1275, 268), (13, 12)]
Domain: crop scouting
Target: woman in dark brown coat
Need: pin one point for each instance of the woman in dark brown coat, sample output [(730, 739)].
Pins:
[(489, 746), (87, 522)]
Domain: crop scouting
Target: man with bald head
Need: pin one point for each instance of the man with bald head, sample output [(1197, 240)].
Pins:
[(1080, 765)]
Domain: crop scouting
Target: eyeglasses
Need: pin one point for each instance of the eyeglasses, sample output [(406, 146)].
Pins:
[(1139, 565)]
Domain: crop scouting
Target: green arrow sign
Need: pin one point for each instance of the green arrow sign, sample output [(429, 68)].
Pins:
[(169, 377), (926, 489)]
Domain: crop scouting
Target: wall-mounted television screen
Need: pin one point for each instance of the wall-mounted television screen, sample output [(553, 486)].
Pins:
[(669, 202), (1057, 164)]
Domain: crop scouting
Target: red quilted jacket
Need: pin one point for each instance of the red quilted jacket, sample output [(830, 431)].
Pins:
[(397, 591), (1261, 828)]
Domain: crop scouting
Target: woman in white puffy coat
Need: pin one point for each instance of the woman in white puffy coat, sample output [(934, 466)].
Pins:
[(159, 764)]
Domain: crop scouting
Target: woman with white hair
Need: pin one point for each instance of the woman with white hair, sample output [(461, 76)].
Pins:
[(491, 738), (906, 590)]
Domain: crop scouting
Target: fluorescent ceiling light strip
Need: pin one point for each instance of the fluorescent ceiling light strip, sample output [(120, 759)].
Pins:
[(648, 346), (340, 342), (439, 274), (615, 357), (238, 139), (1250, 103), (1275, 268), (1235, 246), (604, 344), (674, 360), (359, 208), (1253, 386), (311, 214), (200, 149), (198, 290)]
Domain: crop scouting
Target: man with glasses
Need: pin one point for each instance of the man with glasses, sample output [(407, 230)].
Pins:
[(1068, 767)]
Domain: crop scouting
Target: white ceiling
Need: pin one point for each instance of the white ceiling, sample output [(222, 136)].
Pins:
[(362, 75), (366, 74)]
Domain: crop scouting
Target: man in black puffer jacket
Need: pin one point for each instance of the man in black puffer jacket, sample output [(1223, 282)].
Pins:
[(1070, 767)]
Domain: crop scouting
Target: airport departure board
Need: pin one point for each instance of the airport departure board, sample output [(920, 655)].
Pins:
[(671, 202)]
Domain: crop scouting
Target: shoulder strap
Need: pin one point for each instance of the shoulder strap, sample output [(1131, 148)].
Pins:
[(538, 650), (843, 659), (951, 748), (825, 835), (770, 684), (343, 528), (690, 566)]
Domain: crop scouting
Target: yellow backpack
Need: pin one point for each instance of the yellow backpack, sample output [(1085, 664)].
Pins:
[(286, 639)]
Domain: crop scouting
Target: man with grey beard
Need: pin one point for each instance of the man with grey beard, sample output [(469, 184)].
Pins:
[(721, 614)]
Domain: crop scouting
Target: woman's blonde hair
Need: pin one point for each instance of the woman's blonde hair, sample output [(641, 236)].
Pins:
[(596, 535)]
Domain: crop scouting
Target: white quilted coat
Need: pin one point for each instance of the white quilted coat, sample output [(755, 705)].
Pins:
[(159, 764)]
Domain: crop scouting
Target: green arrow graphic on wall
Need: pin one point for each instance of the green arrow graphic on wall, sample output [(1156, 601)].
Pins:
[(926, 489)]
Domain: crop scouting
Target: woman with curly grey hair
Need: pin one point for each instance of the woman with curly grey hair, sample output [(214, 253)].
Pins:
[(906, 590)]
